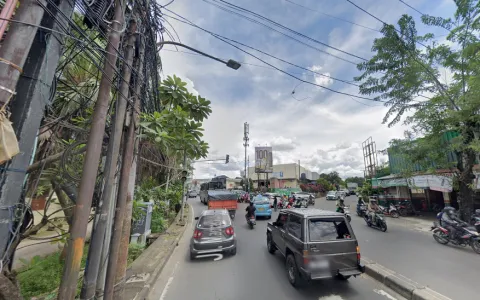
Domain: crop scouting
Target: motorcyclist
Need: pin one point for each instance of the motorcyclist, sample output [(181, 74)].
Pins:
[(450, 221), (250, 211), (372, 210)]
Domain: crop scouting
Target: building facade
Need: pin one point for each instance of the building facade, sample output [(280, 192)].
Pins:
[(283, 176)]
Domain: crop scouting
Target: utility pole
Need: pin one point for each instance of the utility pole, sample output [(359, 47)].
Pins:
[(127, 220), (104, 206), (246, 131), (68, 285), (183, 180), (299, 174), (31, 96), (17, 45), (248, 176)]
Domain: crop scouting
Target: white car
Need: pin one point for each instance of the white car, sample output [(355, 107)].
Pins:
[(192, 194)]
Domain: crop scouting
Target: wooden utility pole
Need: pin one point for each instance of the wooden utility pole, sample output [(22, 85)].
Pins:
[(76, 242), (103, 209)]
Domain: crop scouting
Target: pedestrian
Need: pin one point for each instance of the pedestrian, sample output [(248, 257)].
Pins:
[(275, 203)]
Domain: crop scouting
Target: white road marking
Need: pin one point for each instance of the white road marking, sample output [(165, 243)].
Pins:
[(332, 297), (218, 256), (169, 281), (383, 293)]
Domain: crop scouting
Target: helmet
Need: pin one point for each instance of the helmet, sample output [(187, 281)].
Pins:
[(477, 212), (449, 210)]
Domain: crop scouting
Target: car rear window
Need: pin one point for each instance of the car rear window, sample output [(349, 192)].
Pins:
[(320, 230), (214, 221)]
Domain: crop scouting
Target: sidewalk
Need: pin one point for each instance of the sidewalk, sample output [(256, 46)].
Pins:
[(41, 243), (419, 223)]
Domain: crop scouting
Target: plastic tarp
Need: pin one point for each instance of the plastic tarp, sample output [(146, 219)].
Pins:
[(221, 195)]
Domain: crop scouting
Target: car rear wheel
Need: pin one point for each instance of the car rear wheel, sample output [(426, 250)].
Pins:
[(341, 277), (233, 251), (192, 256), (270, 246), (292, 271)]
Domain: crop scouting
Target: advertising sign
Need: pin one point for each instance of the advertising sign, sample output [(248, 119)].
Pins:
[(263, 160)]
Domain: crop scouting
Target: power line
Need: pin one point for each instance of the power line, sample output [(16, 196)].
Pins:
[(243, 10), (411, 7), (378, 19), (331, 16), (226, 40)]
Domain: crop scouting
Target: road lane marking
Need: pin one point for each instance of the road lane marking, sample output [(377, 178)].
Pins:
[(383, 293), (169, 281), (218, 256)]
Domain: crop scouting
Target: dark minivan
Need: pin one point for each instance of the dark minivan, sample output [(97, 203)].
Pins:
[(316, 244)]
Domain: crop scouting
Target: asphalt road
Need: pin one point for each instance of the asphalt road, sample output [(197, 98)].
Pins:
[(251, 274), (449, 270)]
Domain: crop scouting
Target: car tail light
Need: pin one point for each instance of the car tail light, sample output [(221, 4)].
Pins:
[(305, 257), (197, 234), (229, 230), (358, 254)]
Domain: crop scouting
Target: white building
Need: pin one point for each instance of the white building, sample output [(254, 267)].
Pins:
[(283, 176)]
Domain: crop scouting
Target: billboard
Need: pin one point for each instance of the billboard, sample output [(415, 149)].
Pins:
[(263, 160)]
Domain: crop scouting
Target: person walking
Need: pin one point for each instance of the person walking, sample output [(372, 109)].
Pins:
[(275, 202)]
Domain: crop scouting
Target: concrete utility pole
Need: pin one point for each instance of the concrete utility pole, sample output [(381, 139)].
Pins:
[(17, 45), (104, 207), (127, 220), (246, 131), (68, 285), (32, 94)]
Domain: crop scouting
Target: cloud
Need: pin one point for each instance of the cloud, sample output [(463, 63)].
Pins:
[(325, 130)]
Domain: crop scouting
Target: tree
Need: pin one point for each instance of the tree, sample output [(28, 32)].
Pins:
[(333, 178), (357, 180), (327, 186), (407, 76)]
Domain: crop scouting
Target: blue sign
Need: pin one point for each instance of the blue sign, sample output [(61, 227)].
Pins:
[(277, 174)]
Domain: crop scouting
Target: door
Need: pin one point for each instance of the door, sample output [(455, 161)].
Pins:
[(278, 234), (331, 244)]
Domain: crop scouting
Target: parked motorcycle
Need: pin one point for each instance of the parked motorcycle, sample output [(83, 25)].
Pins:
[(251, 222), (465, 236), (406, 208), (390, 211), (475, 220), (380, 222)]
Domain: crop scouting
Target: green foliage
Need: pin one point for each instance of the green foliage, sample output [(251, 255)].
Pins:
[(134, 251), (158, 221), (43, 274), (333, 178), (412, 78), (327, 186), (179, 125), (357, 180)]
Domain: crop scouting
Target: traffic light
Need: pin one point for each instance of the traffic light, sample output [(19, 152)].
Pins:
[(227, 159), (184, 176)]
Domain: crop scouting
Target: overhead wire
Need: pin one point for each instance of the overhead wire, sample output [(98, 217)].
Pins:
[(280, 32), (331, 16), (226, 40)]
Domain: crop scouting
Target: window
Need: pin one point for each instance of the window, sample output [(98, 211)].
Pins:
[(211, 221), (282, 219), (327, 230), (295, 226)]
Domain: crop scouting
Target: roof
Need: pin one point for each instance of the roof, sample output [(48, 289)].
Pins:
[(313, 212), (211, 212)]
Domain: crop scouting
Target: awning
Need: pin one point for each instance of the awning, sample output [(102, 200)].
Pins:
[(441, 183)]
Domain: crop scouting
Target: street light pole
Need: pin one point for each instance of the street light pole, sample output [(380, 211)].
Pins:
[(230, 63)]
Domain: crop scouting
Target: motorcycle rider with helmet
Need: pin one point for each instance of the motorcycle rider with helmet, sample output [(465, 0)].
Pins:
[(372, 210), (450, 221), (250, 211), (341, 206)]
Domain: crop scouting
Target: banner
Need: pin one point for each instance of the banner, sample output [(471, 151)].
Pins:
[(263, 160)]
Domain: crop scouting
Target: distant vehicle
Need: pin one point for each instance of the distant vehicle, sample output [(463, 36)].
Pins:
[(192, 194), (332, 195), (263, 207), (316, 244), (214, 233), (352, 187), (271, 197)]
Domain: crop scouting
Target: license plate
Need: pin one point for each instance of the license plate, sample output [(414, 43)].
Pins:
[(260, 209)]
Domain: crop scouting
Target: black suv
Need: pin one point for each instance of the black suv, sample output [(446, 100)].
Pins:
[(316, 244)]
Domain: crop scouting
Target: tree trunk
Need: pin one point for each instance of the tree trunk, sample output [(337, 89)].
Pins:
[(466, 161), (9, 289)]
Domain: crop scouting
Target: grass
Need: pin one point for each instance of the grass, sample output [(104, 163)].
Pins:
[(42, 275), (134, 251)]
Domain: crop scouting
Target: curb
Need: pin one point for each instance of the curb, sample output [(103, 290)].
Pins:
[(150, 278), (408, 288)]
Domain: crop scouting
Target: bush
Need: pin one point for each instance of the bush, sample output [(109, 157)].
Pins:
[(134, 251), (158, 222)]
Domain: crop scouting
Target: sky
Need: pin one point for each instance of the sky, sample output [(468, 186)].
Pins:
[(301, 121)]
